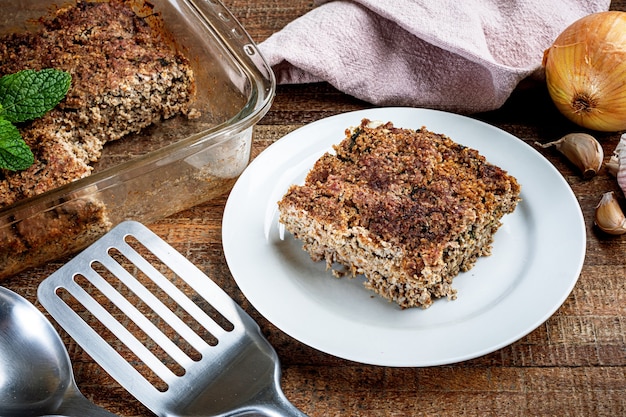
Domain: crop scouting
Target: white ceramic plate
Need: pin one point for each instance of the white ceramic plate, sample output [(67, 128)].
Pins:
[(536, 259)]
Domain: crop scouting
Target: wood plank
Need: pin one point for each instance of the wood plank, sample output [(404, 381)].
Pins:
[(574, 364)]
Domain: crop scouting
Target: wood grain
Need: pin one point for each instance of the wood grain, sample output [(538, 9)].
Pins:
[(574, 364)]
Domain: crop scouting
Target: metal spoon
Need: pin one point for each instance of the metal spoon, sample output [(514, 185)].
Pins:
[(36, 375)]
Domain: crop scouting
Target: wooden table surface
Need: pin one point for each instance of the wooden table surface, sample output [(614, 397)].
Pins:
[(574, 364)]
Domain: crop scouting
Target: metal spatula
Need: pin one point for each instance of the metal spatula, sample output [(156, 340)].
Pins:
[(165, 331)]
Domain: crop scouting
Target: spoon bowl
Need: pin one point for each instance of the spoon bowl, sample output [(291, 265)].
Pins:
[(36, 375)]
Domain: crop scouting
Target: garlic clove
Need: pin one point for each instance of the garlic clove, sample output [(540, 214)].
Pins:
[(617, 164), (609, 216), (583, 150), (612, 166)]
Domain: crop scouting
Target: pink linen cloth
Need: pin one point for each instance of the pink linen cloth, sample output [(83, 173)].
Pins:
[(464, 56)]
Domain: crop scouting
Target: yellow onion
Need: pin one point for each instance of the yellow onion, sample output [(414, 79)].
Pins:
[(586, 71)]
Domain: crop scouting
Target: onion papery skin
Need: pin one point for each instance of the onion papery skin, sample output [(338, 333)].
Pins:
[(586, 71)]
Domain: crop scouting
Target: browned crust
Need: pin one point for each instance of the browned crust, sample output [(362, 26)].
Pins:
[(124, 78), (430, 203)]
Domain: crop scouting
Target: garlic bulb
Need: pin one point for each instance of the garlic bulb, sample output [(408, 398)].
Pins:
[(582, 150), (586, 71), (609, 215)]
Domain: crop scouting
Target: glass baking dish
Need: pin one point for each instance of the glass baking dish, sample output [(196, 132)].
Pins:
[(166, 168)]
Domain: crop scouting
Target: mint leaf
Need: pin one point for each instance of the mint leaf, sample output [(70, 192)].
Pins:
[(29, 94), (14, 152), (26, 95)]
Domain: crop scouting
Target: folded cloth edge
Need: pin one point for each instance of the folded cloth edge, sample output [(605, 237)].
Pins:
[(364, 50)]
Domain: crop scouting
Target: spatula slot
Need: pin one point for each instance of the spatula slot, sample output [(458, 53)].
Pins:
[(181, 284), (130, 324), (129, 356), (147, 311)]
